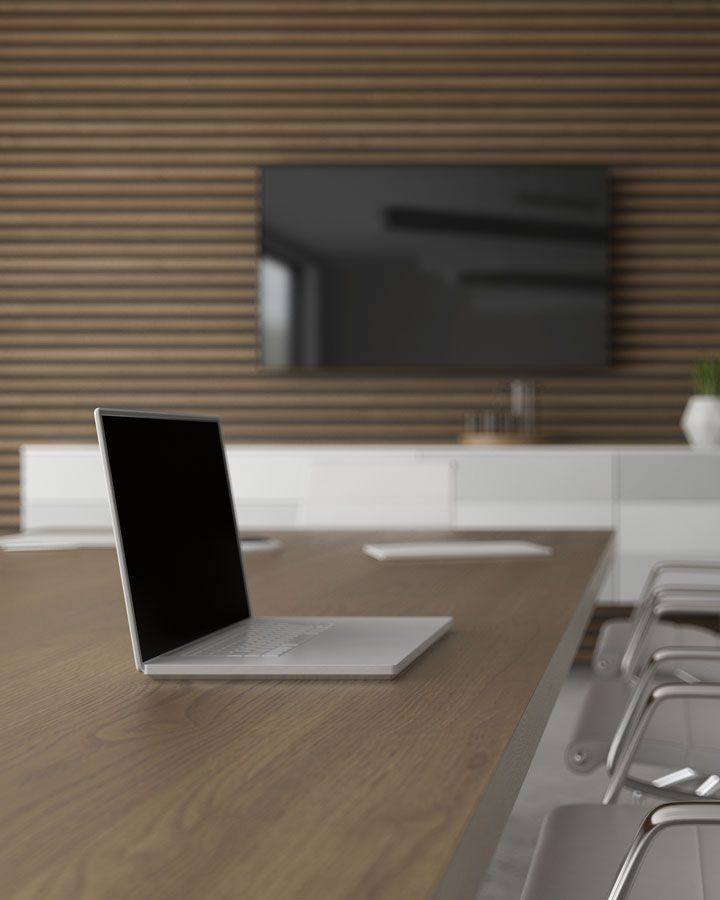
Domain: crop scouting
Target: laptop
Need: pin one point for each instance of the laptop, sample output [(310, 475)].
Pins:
[(182, 572)]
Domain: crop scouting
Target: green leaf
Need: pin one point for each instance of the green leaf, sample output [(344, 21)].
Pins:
[(707, 377)]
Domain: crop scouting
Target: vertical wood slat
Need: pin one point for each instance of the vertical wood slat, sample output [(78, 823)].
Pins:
[(130, 139)]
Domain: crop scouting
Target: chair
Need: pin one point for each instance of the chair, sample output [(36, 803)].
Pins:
[(675, 736), (613, 852), (599, 852), (607, 699), (612, 656)]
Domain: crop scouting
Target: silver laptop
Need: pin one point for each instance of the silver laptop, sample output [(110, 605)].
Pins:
[(182, 572)]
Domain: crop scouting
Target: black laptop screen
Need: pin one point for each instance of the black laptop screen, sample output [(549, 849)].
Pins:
[(176, 521)]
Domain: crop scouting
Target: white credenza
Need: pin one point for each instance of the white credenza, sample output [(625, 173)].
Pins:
[(63, 486), (662, 502)]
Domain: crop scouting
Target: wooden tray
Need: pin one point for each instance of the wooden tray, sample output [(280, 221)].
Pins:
[(503, 437)]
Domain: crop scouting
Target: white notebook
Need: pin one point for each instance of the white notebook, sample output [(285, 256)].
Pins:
[(57, 540), (455, 550), (83, 540)]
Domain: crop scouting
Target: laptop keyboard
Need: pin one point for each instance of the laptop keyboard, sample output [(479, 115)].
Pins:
[(262, 639)]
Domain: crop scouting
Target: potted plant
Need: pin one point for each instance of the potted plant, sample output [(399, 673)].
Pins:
[(700, 420)]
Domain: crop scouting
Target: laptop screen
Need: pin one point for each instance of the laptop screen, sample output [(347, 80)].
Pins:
[(175, 515)]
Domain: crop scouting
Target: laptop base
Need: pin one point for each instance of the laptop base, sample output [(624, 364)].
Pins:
[(354, 647)]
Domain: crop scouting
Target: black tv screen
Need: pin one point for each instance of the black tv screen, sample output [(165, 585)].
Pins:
[(420, 266)]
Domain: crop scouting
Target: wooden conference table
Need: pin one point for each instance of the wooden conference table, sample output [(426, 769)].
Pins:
[(113, 785)]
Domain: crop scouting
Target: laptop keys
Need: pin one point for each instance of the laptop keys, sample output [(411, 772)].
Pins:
[(278, 651), (267, 639)]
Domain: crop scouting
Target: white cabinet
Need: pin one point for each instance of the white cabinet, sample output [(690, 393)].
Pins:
[(62, 486), (377, 490), (545, 489), (267, 484), (668, 508)]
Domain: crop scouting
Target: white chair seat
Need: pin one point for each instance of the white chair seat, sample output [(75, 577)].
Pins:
[(614, 636), (581, 847)]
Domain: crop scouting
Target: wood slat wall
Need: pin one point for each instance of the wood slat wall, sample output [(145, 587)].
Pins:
[(131, 132)]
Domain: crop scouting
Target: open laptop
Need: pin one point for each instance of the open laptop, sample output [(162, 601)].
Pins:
[(182, 573)]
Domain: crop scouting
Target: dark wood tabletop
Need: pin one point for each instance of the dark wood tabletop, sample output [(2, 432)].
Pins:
[(113, 785)]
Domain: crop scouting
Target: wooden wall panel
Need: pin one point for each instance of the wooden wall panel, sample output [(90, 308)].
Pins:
[(131, 132)]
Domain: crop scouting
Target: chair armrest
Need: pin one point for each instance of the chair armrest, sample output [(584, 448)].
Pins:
[(658, 695), (644, 686), (668, 816), (684, 600)]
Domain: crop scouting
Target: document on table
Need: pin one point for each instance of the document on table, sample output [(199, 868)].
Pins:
[(439, 550)]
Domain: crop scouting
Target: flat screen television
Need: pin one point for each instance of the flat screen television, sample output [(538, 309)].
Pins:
[(492, 267)]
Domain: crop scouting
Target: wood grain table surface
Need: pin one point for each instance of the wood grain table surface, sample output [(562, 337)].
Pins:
[(113, 785)]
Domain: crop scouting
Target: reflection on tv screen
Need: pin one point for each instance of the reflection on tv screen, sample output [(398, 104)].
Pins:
[(419, 266)]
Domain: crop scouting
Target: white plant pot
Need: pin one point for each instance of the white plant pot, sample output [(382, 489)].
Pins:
[(700, 421)]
